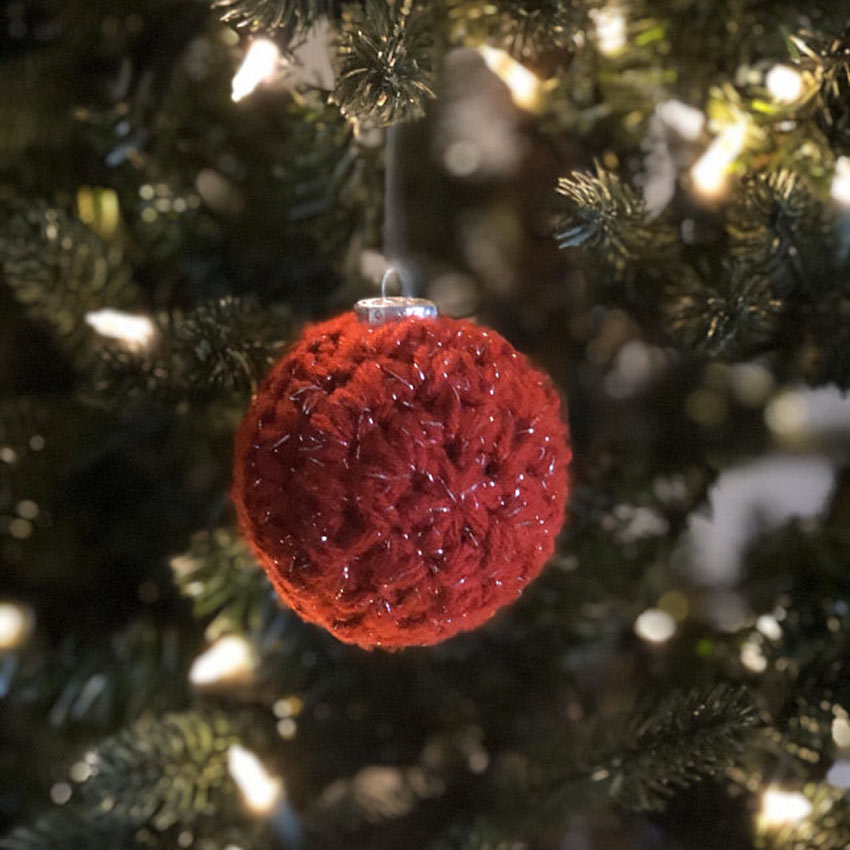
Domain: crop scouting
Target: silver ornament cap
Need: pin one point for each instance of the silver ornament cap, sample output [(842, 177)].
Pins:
[(380, 311), (392, 308)]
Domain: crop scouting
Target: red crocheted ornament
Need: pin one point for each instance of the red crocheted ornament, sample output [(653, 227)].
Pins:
[(401, 483)]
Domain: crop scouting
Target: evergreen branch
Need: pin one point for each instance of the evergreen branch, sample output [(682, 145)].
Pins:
[(778, 224), (233, 595), (73, 829), (161, 772), (803, 568), (607, 218), (672, 745), (285, 16), (828, 57), (141, 668), (602, 207), (147, 787), (528, 29), (225, 582), (735, 315), (59, 269), (386, 73), (67, 830), (221, 348), (227, 345)]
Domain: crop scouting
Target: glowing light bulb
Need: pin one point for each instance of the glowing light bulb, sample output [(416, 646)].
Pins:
[(258, 66), (710, 171), (769, 627), (611, 35), (16, 624), (841, 732), (229, 660), (655, 626), (752, 656), (261, 791), (524, 86), (134, 332), (840, 188), (784, 83), (783, 807)]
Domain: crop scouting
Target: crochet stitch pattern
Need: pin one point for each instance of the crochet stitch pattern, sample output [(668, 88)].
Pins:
[(401, 483)]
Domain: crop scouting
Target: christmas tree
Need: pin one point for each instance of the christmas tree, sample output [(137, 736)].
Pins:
[(649, 198)]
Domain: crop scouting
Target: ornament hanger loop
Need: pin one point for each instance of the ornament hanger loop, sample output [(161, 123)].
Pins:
[(405, 284)]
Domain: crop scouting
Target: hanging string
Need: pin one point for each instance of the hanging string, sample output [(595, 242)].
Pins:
[(395, 226), (387, 308)]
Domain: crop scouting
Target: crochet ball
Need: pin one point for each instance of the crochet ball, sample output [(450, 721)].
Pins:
[(401, 483)]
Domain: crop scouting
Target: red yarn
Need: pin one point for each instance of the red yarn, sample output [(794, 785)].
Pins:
[(401, 483)]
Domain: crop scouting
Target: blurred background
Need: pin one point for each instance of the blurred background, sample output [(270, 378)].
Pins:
[(651, 198)]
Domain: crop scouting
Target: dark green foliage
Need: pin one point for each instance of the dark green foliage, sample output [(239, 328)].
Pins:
[(224, 581), (220, 349), (228, 344), (802, 568), (29, 76), (731, 316), (76, 830), (671, 745), (143, 787), (59, 269), (140, 669), (608, 218), (42, 441), (60, 830), (779, 226), (528, 29), (162, 772), (287, 16), (386, 66), (829, 58)]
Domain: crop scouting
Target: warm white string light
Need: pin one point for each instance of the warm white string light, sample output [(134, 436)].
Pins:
[(840, 188), (611, 33), (525, 87), (752, 656), (779, 808), (258, 66), (710, 172), (16, 624), (784, 83), (261, 790), (229, 660), (133, 332), (655, 626), (841, 733)]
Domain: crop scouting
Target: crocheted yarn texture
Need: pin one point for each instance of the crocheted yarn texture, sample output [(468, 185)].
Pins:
[(401, 483)]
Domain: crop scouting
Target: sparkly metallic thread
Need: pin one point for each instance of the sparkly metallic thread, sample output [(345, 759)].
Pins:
[(401, 483)]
